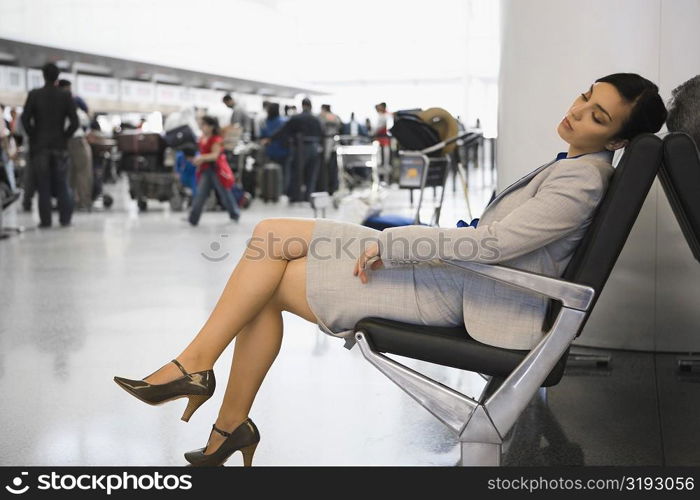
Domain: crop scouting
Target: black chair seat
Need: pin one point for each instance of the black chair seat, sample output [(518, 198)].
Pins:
[(448, 346)]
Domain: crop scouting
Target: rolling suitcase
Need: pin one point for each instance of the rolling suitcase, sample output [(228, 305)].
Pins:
[(271, 182), (139, 142)]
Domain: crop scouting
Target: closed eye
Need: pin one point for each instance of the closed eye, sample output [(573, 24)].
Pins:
[(593, 114)]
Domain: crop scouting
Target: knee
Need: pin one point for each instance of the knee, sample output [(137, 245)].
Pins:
[(264, 232), (278, 240), (272, 227), (264, 228), (262, 241)]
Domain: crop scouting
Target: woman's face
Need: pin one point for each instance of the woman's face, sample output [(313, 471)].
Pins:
[(206, 128), (593, 120)]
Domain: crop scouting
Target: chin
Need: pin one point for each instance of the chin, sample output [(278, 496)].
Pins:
[(561, 130)]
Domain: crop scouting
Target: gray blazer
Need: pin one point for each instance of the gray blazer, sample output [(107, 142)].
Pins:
[(535, 224)]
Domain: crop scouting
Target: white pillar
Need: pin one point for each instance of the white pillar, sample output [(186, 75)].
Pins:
[(551, 51)]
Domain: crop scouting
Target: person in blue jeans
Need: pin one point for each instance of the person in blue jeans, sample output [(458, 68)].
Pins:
[(210, 147), (44, 119), (276, 150), (305, 159)]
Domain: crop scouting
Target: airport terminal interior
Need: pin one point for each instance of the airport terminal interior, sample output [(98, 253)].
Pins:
[(116, 242)]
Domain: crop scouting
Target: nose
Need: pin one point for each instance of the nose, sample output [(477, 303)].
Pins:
[(575, 112)]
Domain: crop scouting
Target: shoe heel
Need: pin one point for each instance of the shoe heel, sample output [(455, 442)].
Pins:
[(248, 452), (194, 403)]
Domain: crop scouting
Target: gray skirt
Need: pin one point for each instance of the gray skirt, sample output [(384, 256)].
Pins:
[(428, 294)]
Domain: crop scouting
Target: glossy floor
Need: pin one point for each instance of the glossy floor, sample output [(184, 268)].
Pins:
[(121, 293)]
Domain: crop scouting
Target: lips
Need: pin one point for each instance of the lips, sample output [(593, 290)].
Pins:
[(566, 123)]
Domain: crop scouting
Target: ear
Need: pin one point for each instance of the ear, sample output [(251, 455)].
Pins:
[(617, 144)]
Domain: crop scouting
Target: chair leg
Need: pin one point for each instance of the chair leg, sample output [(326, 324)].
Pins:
[(480, 454)]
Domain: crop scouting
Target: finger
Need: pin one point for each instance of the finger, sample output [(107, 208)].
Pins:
[(368, 266), (359, 266), (362, 272)]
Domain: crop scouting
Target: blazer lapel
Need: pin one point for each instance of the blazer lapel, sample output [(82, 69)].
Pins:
[(523, 180)]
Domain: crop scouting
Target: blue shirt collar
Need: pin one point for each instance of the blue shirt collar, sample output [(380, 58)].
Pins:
[(607, 155)]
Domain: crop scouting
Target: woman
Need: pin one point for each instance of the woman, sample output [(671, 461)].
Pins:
[(320, 269), (210, 148)]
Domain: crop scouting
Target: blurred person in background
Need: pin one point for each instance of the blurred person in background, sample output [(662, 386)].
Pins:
[(306, 131), (209, 175), (354, 127), (332, 126), (5, 150), (238, 116), (28, 184), (260, 120), (381, 132), (15, 126), (46, 112), (80, 154), (276, 150)]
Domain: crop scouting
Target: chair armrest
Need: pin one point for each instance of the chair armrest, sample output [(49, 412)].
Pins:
[(572, 295), (515, 393), (511, 398)]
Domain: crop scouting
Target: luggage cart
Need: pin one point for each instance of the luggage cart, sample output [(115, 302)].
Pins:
[(103, 150), (419, 170), (428, 139), (358, 167), (143, 158)]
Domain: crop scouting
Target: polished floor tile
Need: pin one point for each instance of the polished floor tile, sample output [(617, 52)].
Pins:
[(679, 403), (594, 416)]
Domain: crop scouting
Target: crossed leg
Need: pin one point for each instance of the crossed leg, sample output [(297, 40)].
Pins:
[(256, 348), (269, 278)]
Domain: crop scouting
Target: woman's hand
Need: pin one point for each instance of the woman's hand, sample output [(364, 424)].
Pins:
[(370, 257), (197, 161)]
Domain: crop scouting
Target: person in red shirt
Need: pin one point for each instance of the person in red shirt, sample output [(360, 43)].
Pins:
[(381, 132), (209, 174)]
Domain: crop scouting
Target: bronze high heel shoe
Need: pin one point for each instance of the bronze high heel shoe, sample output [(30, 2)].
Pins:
[(245, 438), (198, 387)]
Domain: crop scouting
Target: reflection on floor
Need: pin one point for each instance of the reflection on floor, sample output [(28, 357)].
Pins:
[(121, 293), (639, 410)]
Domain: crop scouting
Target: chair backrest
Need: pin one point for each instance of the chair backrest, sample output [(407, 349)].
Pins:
[(597, 253), (680, 178)]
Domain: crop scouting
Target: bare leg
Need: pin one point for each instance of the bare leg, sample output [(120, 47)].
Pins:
[(256, 348), (250, 287)]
